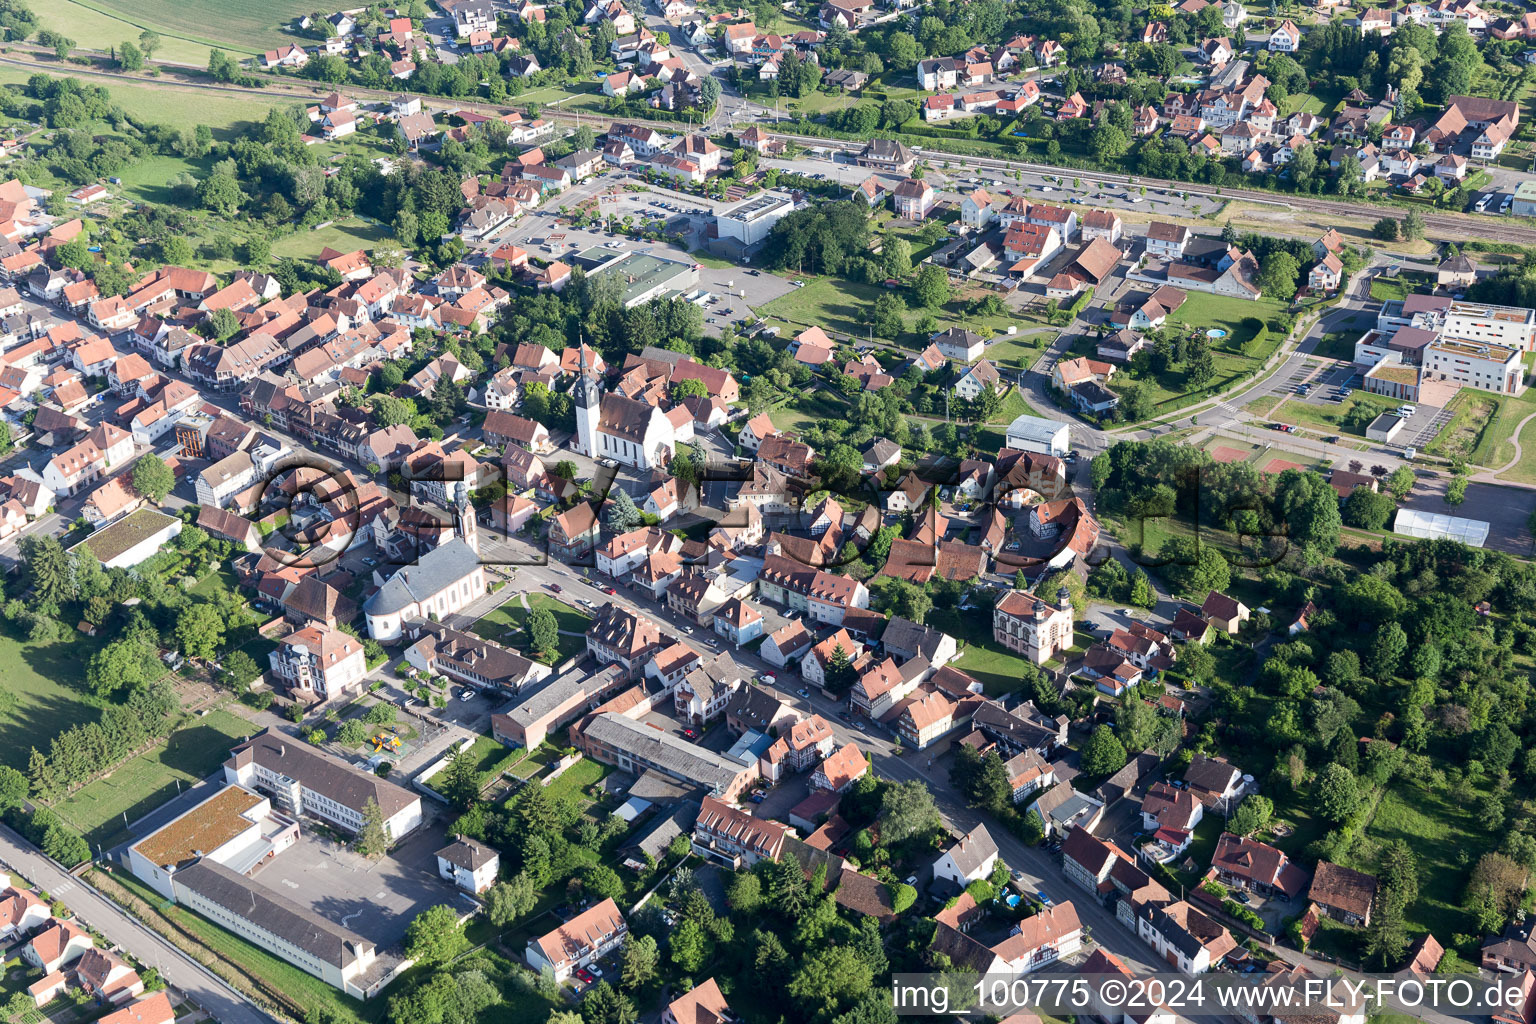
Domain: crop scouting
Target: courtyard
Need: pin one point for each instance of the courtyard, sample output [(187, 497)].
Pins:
[(376, 899)]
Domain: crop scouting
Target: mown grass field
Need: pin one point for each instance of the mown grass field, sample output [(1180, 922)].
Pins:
[(182, 108), (140, 785), (188, 28), (343, 236), (842, 307), (40, 693)]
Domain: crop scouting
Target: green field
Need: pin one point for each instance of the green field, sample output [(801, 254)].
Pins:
[(842, 307), (576, 779), (140, 785), (505, 625), (187, 28), (343, 236), (1330, 417), (179, 107), (39, 693)]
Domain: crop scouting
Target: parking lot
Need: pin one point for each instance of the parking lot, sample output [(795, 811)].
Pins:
[(376, 899)]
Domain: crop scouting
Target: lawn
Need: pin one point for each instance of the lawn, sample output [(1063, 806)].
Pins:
[(808, 409), (39, 693), (1479, 429), (1387, 289), (1205, 310), (1020, 350), (1331, 416), (577, 778), (1340, 345), (998, 670), (491, 756), (1444, 832), (140, 785), (842, 307), (343, 236), (505, 625), (188, 28), (1237, 355)]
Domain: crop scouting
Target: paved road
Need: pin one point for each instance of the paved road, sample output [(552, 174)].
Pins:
[(226, 1005)]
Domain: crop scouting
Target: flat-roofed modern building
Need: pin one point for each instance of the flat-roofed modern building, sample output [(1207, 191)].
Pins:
[(646, 276), (234, 827), (131, 539), (749, 221), (1036, 434)]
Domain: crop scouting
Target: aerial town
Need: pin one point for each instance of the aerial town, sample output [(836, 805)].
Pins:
[(681, 512)]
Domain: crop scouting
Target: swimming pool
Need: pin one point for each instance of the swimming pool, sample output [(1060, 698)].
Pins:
[(1216, 332)]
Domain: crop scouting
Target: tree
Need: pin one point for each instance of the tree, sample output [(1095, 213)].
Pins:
[(222, 324), (1142, 594), (1386, 939), (690, 946), (1368, 509), (1413, 225), (744, 893), (256, 252), (840, 675), (621, 515), (1108, 142), (931, 288), (897, 256), (1337, 793), (886, 317), (13, 788), (1388, 647), (149, 42), (908, 812), (435, 936), (603, 1004), (543, 632), (129, 57), (1252, 815), (507, 901), (220, 193), (461, 781), (639, 960), (1103, 753), (1400, 483), (152, 478), (601, 882), (372, 839), (1387, 229), (1278, 275), (830, 979), (200, 631)]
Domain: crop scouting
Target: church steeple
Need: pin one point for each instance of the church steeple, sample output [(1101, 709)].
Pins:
[(464, 526), (588, 399)]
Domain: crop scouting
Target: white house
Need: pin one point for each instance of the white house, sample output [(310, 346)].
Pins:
[(469, 865), (971, 857)]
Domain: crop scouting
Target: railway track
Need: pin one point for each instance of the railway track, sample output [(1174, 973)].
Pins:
[(1452, 227)]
